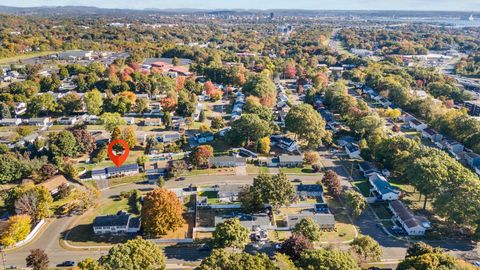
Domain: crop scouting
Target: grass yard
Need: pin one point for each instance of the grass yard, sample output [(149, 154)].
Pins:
[(127, 180), (212, 196), (15, 59), (212, 171), (132, 159), (254, 169), (82, 234), (306, 169), (364, 187), (278, 236), (381, 210), (343, 232)]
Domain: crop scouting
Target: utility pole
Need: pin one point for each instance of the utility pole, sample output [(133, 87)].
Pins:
[(3, 257)]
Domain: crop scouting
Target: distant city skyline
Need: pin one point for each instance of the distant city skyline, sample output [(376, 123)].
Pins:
[(427, 5)]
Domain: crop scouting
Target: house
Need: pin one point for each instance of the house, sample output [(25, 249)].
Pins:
[(67, 121), (353, 151), (129, 120), (453, 147), (290, 161), (29, 139), (10, 122), (312, 190), (285, 143), (156, 167), (101, 138), (413, 225), (204, 137), (39, 122), (75, 55), (345, 140), (472, 158), (432, 135), (125, 170), (417, 125), (473, 107), (53, 184), (92, 119), (367, 168), (116, 224), (229, 193), (152, 122), (326, 221), (382, 189), (170, 137), (261, 220), (20, 108), (227, 161)]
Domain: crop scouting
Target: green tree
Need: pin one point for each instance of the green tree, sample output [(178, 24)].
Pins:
[(366, 248), (221, 259), (218, 123), (112, 120), (161, 212), (93, 101), (70, 103), (262, 87), (250, 199), (275, 190), (10, 168), (137, 254), (18, 227), (429, 261), (70, 170), (308, 228), (355, 202), (263, 145), (63, 144), (324, 259), (167, 121), (307, 123), (249, 128), (141, 160), (420, 248), (32, 200), (231, 233), (44, 103), (89, 264), (4, 111)]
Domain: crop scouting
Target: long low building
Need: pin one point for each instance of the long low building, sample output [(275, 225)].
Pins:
[(116, 224), (413, 225), (227, 161), (325, 221), (125, 170)]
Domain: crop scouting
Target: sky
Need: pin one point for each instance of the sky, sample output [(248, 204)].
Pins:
[(447, 5)]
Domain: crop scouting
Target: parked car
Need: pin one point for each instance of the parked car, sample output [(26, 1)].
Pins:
[(204, 248), (67, 264), (296, 180), (180, 179)]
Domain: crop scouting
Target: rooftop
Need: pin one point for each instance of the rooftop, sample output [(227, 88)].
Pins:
[(112, 220)]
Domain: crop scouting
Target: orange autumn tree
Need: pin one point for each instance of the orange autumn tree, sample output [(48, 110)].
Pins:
[(209, 88), (161, 212), (201, 154), (168, 104)]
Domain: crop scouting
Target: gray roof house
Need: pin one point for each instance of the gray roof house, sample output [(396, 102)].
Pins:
[(382, 188), (326, 221), (116, 224), (227, 161)]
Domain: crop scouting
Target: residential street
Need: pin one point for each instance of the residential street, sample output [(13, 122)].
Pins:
[(394, 249)]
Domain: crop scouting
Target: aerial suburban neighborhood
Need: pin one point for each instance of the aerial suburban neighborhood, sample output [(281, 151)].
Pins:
[(239, 139)]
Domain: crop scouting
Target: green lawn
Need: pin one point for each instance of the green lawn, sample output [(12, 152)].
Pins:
[(14, 59), (306, 169), (382, 211), (364, 187), (127, 180)]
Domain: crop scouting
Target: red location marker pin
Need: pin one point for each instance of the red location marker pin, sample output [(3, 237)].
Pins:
[(118, 160)]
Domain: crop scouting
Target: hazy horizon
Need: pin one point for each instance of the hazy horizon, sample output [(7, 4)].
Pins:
[(413, 5)]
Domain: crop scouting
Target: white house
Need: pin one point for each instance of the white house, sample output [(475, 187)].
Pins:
[(453, 147), (116, 224), (67, 120), (10, 122), (413, 225), (432, 135), (382, 189), (417, 125), (152, 122), (129, 120), (40, 122), (353, 151)]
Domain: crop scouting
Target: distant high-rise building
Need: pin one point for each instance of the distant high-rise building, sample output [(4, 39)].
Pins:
[(272, 15), (471, 18)]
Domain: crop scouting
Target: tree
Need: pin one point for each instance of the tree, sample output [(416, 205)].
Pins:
[(308, 228), (31, 200), (366, 248), (175, 61), (429, 261), (393, 113), (262, 87), (221, 259), (141, 160), (307, 123), (311, 157), (112, 120), (63, 144), (202, 117), (295, 245), (45, 103), (200, 155), (290, 71), (161, 212), (10, 168), (70, 170), (275, 190), (186, 103), (18, 227), (70, 103), (89, 264), (250, 199), (263, 145), (136, 254), (209, 88), (249, 128), (355, 202), (324, 259), (332, 182), (93, 102), (37, 259), (420, 248), (86, 142), (167, 120), (231, 233), (4, 111), (283, 262), (368, 124), (177, 168), (129, 136), (217, 123)]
